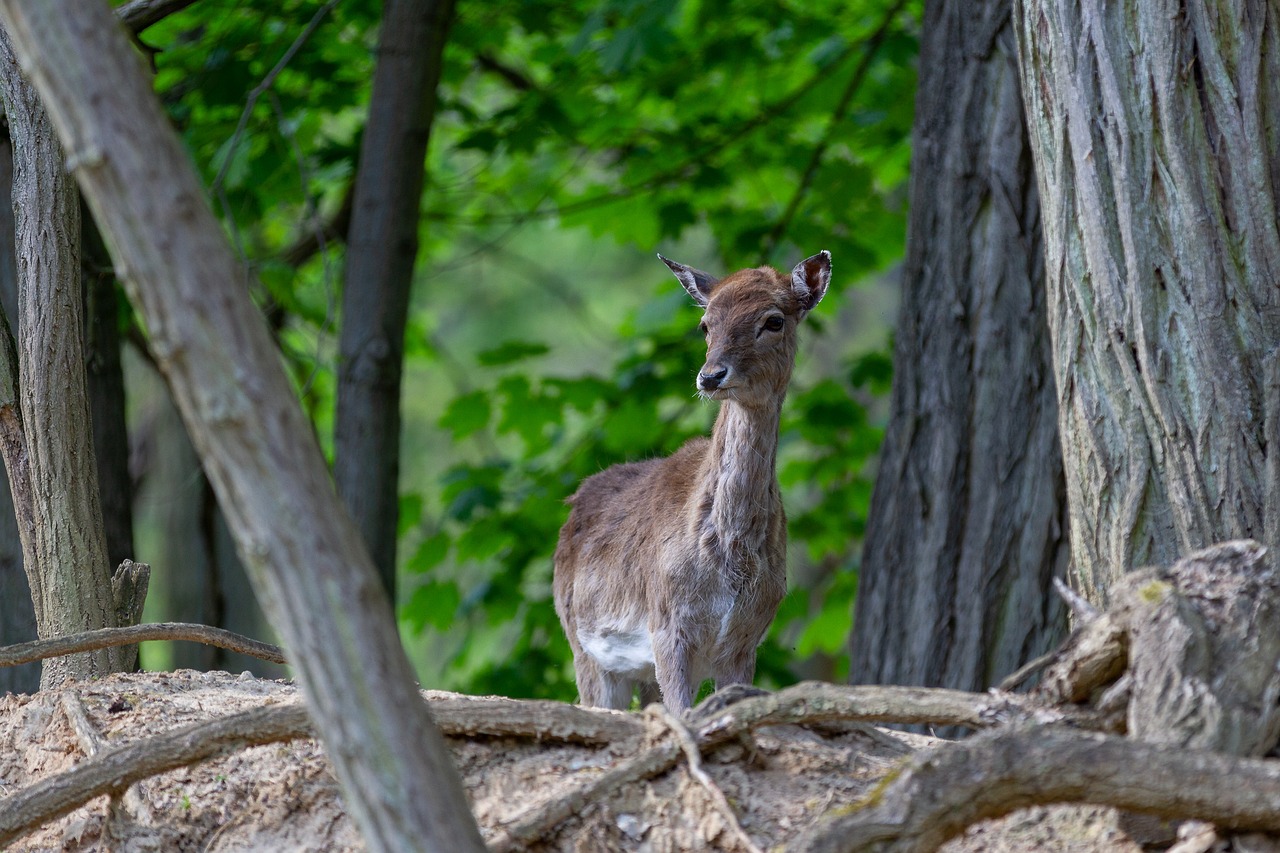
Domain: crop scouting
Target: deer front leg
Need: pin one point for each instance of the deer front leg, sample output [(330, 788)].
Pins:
[(671, 665)]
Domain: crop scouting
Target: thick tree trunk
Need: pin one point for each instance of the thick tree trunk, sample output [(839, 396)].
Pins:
[(382, 245), (64, 546), (1156, 133), (966, 525), (303, 553)]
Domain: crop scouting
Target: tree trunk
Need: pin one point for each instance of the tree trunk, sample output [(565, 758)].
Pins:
[(382, 245), (966, 523), (17, 617), (303, 553), (1156, 133), (64, 546)]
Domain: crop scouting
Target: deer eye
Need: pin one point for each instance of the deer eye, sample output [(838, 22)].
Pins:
[(774, 323), (702, 327)]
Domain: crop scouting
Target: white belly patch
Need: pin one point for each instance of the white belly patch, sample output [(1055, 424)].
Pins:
[(625, 651)]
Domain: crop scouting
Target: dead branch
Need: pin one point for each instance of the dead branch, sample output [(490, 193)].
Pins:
[(108, 637), (941, 791)]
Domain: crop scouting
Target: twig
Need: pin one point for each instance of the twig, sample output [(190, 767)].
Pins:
[(267, 83), (693, 755), (943, 790), (104, 638), (871, 48), (1082, 609), (1028, 669)]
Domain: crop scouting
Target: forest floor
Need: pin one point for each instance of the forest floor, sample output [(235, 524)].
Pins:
[(758, 791)]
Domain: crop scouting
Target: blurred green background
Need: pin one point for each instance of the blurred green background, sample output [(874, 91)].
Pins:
[(572, 141)]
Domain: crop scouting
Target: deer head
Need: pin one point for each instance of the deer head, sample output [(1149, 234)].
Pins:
[(749, 321)]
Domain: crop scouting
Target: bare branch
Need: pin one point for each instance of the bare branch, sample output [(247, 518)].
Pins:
[(137, 15), (109, 637)]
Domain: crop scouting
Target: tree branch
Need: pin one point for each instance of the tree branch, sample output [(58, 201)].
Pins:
[(104, 638), (872, 46), (137, 15)]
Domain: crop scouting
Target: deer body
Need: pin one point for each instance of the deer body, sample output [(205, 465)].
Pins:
[(670, 571)]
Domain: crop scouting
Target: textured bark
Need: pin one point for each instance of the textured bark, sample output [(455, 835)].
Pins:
[(966, 524), (939, 792), (17, 617), (64, 546), (382, 245), (303, 552), (1204, 645), (1156, 133)]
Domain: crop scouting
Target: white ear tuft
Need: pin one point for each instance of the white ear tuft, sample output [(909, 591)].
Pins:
[(697, 282), (810, 278)]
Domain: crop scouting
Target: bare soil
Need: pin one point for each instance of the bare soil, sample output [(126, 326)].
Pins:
[(284, 796)]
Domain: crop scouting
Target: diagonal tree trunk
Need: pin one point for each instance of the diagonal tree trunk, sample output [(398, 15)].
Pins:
[(967, 520), (382, 245), (303, 553), (1156, 133)]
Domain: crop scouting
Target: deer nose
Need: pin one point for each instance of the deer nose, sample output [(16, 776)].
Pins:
[(711, 381)]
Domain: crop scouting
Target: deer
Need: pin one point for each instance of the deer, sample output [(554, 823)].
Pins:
[(669, 571)]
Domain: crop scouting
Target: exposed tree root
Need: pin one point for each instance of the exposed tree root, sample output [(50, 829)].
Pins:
[(116, 768), (941, 791)]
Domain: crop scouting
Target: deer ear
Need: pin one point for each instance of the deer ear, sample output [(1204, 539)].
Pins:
[(697, 282), (810, 278)]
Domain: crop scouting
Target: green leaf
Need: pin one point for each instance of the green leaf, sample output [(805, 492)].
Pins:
[(429, 554), (467, 414), (433, 604), (510, 352)]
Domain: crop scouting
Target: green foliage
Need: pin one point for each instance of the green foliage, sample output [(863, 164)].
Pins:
[(726, 136)]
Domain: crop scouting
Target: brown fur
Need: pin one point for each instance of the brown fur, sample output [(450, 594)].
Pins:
[(671, 570)]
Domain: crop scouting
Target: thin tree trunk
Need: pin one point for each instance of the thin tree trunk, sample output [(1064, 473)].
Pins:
[(303, 553), (966, 524), (17, 617), (382, 245), (64, 547), (1156, 133)]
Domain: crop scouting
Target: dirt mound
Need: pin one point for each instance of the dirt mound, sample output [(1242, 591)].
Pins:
[(759, 790)]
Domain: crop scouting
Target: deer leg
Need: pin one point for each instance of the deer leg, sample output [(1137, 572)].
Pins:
[(671, 664)]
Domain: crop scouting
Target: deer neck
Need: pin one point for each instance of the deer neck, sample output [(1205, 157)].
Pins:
[(739, 480)]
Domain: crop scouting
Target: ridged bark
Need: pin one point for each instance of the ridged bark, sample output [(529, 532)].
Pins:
[(64, 546), (966, 523), (1156, 133), (17, 617)]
